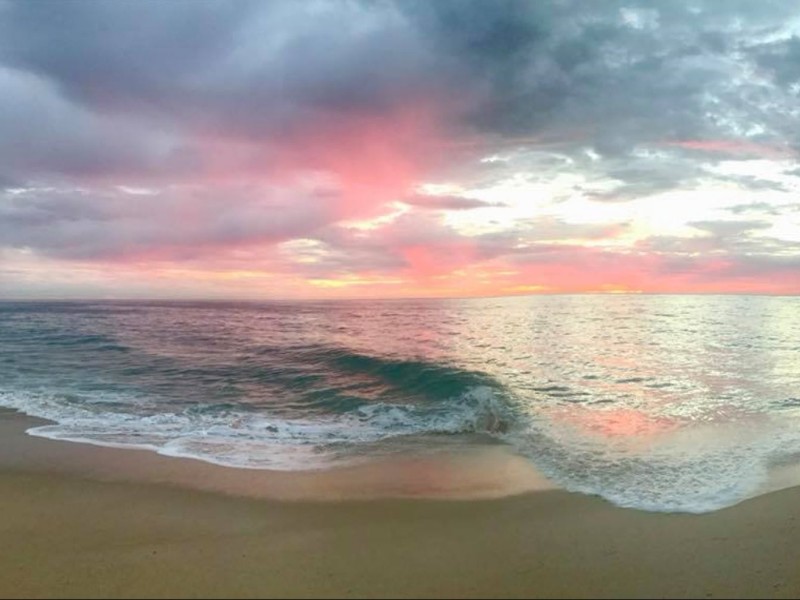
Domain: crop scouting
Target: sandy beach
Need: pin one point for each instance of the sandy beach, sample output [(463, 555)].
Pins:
[(78, 532)]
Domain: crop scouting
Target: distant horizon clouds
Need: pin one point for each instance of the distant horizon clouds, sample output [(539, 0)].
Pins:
[(361, 149)]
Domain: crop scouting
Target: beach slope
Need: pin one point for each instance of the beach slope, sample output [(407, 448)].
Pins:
[(63, 534)]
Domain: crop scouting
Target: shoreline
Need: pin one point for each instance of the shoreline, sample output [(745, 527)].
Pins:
[(468, 469), (72, 533), (463, 473)]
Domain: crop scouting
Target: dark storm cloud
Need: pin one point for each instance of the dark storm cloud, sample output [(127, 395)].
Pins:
[(627, 70)]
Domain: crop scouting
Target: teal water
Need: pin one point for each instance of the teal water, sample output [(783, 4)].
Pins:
[(668, 403)]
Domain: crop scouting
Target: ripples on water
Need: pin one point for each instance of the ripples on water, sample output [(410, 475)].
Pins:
[(656, 402)]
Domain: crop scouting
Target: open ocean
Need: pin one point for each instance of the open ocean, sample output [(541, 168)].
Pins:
[(663, 403)]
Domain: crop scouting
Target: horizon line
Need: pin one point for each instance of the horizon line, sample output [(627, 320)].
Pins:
[(382, 298)]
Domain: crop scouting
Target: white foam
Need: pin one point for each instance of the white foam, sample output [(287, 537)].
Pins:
[(693, 468), (242, 439)]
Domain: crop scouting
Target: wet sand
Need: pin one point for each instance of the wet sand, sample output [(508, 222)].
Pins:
[(71, 526)]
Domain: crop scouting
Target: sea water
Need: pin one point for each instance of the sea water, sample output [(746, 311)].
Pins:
[(662, 403)]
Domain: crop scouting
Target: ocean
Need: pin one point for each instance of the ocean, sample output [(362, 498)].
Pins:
[(655, 402)]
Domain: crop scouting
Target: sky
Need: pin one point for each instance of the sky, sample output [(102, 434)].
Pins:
[(344, 149)]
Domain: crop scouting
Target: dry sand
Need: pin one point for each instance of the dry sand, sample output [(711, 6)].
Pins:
[(136, 534)]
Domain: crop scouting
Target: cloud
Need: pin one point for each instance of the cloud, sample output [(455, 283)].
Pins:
[(175, 224), (251, 69), (43, 135), (446, 202), (781, 59), (765, 208), (214, 89), (267, 134), (729, 228), (643, 174), (421, 246), (190, 77)]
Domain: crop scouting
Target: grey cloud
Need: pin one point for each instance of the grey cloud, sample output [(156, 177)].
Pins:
[(616, 74), (255, 67), (761, 265), (729, 228), (42, 134), (639, 177), (732, 241), (383, 249), (566, 254), (126, 53), (676, 246), (757, 183), (8, 182), (548, 63), (100, 89), (176, 224), (760, 207), (781, 59), (726, 255), (446, 202), (546, 229)]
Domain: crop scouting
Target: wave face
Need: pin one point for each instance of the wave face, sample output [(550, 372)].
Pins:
[(665, 403)]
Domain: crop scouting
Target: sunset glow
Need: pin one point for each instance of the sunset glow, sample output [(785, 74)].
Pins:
[(337, 150)]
